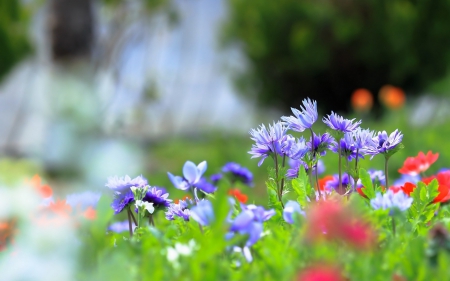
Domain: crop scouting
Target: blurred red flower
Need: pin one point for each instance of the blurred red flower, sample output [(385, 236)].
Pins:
[(330, 220), (416, 165), (362, 100), (323, 181), (392, 97)]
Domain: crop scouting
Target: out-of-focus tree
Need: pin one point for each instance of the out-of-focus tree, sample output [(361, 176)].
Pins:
[(14, 44), (326, 49)]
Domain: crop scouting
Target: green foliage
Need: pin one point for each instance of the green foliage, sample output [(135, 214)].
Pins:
[(422, 211), (302, 187), (330, 48), (368, 189), (14, 18)]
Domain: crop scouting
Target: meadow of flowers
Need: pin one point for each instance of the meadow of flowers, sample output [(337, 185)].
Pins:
[(354, 225)]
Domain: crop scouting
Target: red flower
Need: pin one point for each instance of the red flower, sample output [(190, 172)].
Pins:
[(44, 190), (321, 273), (330, 220), (323, 181), (183, 198), (416, 165), (443, 179), (90, 214), (241, 197)]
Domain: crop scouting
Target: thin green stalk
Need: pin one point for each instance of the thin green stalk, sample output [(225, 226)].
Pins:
[(282, 180), (150, 220), (355, 179), (340, 169), (386, 172), (276, 175), (312, 159)]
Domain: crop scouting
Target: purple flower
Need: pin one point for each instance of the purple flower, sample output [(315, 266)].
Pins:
[(250, 222), (338, 123), (290, 209), (122, 192), (83, 200), (203, 213), (334, 184), (362, 139), (179, 210), (157, 196), (348, 147), (119, 226), (295, 165), (384, 144), (303, 119), (205, 186), (238, 173), (191, 175), (267, 141), (121, 201), (321, 143), (294, 148), (391, 200), (215, 178), (407, 178)]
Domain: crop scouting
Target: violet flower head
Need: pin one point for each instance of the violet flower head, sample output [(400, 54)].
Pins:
[(215, 178), (303, 119), (203, 212), (334, 183), (120, 226), (157, 196), (205, 186), (191, 175), (267, 141), (363, 139), (320, 143), (384, 144), (390, 200), (180, 209), (250, 222), (238, 173), (339, 123), (123, 196), (407, 178), (297, 148), (290, 209), (348, 147)]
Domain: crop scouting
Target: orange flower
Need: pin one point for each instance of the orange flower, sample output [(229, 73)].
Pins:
[(392, 97), (416, 165), (60, 207), (44, 190), (362, 100), (90, 214), (443, 179), (238, 195)]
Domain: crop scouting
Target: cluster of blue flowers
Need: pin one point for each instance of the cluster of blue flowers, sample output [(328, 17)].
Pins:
[(346, 138)]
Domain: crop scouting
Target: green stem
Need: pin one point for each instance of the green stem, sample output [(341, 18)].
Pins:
[(150, 220), (282, 182), (393, 226), (355, 179), (386, 172), (340, 168), (276, 175), (312, 159)]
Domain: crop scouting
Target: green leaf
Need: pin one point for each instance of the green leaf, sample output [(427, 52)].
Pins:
[(366, 181), (421, 210), (302, 187)]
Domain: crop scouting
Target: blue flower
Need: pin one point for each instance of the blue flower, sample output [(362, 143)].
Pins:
[(334, 183), (121, 201), (348, 147), (123, 196), (295, 165), (294, 148), (267, 141), (205, 186), (157, 196), (191, 175), (338, 123), (362, 139), (181, 209), (250, 222), (120, 226), (391, 200), (238, 173), (83, 200), (320, 143), (303, 119), (215, 178), (290, 209), (203, 213), (384, 144), (407, 178)]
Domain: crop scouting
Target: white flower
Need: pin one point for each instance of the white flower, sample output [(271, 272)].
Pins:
[(146, 205)]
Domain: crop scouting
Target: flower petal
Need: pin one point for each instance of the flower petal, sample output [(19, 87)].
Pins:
[(190, 172)]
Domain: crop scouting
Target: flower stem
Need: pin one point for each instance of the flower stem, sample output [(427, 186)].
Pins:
[(150, 220), (386, 172), (276, 175), (340, 169), (312, 159), (130, 228), (134, 219), (356, 178), (393, 226), (282, 182)]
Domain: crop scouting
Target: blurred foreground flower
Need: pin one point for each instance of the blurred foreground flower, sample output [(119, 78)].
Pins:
[(238, 173), (290, 209), (321, 272), (236, 193), (332, 221), (391, 200)]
